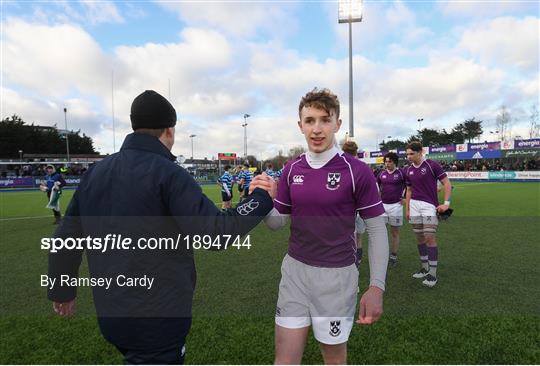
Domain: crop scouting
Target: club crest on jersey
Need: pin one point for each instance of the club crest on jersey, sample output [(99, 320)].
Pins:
[(332, 182), (335, 328), (423, 171)]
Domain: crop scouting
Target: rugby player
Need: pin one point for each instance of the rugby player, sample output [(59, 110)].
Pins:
[(350, 147), (391, 183), (226, 183), (422, 206), (245, 179), (321, 191)]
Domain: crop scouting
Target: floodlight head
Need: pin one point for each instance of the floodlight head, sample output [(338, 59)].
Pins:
[(350, 11)]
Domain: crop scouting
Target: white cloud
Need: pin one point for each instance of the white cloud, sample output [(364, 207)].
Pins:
[(505, 41), (242, 19), (52, 60)]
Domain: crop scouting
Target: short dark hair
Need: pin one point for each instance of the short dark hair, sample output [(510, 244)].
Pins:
[(350, 147), (392, 156), (227, 167), (415, 146), (156, 132)]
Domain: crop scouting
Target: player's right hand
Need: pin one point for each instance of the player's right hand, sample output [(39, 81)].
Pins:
[(265, 182), (64, 308)]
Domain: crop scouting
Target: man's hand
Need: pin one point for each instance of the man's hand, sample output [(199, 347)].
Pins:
[(371, 306), (442, 208), (265, 182), (64, 308)]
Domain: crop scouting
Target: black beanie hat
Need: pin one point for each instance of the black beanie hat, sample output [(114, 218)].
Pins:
[(151, 110)]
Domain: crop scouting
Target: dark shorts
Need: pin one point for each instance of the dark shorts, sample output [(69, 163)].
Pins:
[(225, 197), (172, 355), (246, 191), (240, 189)]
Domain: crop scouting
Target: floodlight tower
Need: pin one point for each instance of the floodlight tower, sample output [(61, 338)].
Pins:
[(350, 11), (246, 116)]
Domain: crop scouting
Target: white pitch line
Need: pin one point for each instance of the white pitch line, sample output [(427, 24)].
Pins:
[(473, 184), (25, 218)]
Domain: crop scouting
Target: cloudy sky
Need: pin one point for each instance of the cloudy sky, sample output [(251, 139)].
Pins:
[(216, 60)]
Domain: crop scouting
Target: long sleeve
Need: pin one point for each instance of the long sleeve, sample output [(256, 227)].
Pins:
[(66, 261)]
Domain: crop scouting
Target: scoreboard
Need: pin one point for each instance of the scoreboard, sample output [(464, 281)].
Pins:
[(226, 156)]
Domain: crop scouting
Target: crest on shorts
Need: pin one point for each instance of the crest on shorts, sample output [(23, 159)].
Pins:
[(335, 328), (332, 181)]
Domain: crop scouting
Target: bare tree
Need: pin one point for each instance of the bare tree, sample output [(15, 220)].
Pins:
[(503, 122), (534, 125)]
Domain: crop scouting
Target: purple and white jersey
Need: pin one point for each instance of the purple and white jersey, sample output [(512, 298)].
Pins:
[(423, 180), (322, 203), (392, 185)]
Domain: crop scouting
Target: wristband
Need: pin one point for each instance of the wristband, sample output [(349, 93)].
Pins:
[(447, 203)]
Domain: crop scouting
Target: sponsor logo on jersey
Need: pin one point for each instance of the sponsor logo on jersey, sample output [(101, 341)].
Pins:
[(298, 179), (335, 328), (332, 181), (248, 207)]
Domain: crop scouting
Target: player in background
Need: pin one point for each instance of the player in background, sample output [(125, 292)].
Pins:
[(351, 148), (270, 170), (321, 191), (226, 184), (245, 179), (391, 183), (422, 206), (52, 185)]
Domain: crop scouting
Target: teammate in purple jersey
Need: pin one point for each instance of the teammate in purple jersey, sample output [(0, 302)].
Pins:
[(321, 191), (351, 148), (391, 183), (422, 206)]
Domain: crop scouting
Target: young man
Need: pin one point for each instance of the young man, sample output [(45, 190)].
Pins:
[(53, 183), (351, 148), (321, 191), (391, 183), (422, 206), (226, 183)]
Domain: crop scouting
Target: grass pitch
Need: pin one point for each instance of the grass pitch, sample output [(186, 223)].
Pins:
[(484, 310)]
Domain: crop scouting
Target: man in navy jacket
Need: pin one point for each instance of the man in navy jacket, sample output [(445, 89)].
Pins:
[(141, 193)]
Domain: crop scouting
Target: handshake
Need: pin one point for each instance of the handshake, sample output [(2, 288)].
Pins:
[(265, 182)]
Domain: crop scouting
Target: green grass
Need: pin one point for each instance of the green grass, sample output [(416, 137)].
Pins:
[(484, 310)]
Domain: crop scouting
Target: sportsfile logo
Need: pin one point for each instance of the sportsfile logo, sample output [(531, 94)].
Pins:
[(298, 179)]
